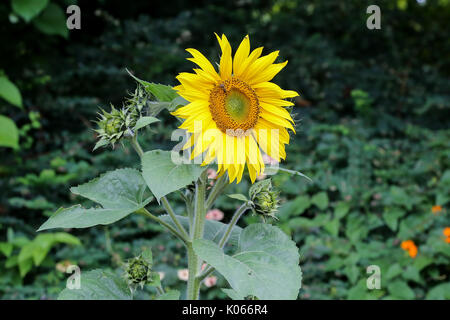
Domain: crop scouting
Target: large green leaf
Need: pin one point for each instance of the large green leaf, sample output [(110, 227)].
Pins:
[(265, 265), (161, 92), (28, 9), (439, 292), (52, 21), (121, 188), (400, 197), (170, 295), (10, 92), (6, 248), (98, 285), (41, 245), (213, 231), (79, 217), (320, 200), (9, 135), (391, 216), (163, 176), (145, 121), (166, 97), (120, 192), (400, 290)]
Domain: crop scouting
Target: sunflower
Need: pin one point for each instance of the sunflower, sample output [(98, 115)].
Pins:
[(235, 113)]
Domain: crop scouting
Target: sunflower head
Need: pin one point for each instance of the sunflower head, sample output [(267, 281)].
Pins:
[(235, 112)]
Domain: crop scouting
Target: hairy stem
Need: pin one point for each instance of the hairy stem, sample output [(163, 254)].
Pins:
[(219, 186), (194, 263), (159, 290), (181, 232), (146, 213), (236, 216), (192, 291), (137, 146), (172, 215)]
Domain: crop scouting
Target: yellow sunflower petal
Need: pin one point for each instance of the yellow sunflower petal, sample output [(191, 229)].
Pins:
[(241, 54), (268, 73), (226, 64), (202, 62), (258, 66), (248, 61), (271, 90), (276, 120), (198, 106), (279, 111)]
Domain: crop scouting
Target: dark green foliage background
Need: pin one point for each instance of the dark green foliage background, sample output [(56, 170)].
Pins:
[(373, 133)]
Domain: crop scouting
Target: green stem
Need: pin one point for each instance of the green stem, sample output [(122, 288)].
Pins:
[(199, 209), (192, 291), (189, 209), (194, 263), (137, 146), (159, 290), (146, 213), (217, 189), (172, 215), (236, 216), (182, 234)]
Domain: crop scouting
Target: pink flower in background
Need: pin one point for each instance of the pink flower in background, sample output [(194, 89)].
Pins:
[(210, 281), (183, 274), (212, 174), (161, 275), (214, 214)]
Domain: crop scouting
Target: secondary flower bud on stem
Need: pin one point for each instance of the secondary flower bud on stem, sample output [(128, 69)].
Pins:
[(116, 124), (138, 272), (265, 199)]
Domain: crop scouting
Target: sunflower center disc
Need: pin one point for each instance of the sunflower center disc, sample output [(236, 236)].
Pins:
[(234, 106)]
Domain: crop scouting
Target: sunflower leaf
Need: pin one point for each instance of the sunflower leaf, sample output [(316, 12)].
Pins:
[(120, 192), (163, 176), (161, 92), (265, 265), (213, 231), (145, 121), (98, 285)]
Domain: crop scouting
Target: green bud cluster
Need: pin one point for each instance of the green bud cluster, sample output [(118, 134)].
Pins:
[(138, 272), (139, 99), (265, 199), (119, 123)]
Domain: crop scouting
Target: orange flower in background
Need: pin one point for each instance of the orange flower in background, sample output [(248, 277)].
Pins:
[(446, 233), (411, 247), (436, 209)]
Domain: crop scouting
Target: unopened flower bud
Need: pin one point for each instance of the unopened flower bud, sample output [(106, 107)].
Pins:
[(138, 272), (138, 100), (265, 199), (117, 124)]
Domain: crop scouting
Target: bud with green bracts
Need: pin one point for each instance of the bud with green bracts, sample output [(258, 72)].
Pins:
[(138, 271), (120, 123), (265, 199)]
